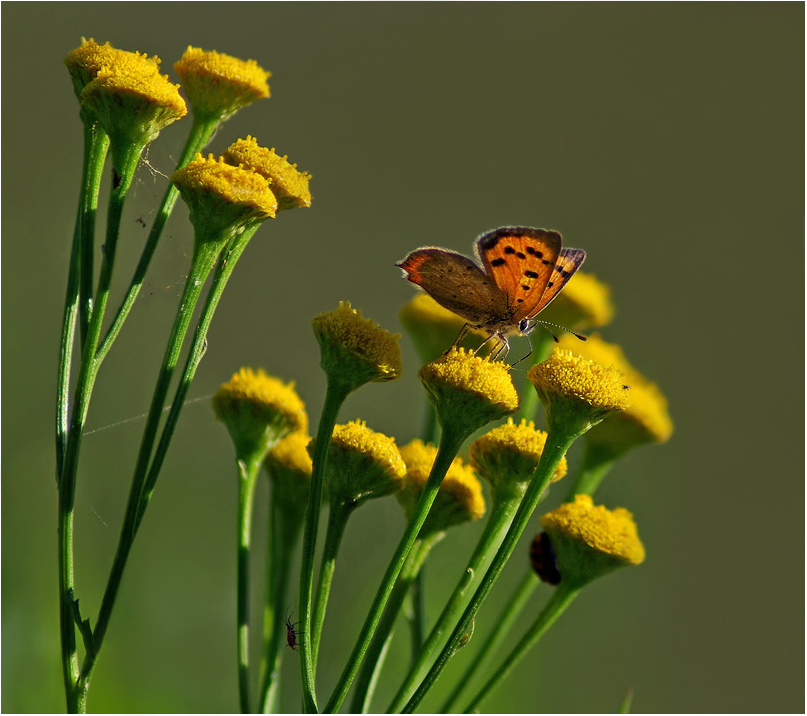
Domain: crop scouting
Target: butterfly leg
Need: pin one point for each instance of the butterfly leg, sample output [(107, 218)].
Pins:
[(460, 337)]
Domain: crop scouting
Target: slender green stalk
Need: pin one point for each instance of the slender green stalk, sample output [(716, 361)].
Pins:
[(416, 615), (337, 521), (83, 391), (284, 530), (597, 463), (498, 634), (247, 480), (335, 395), (224, 269), (200, 135), (450, 443), (555, 449), (96, 144), (379, 646), (501, 514), (552, 610), (204, 258)]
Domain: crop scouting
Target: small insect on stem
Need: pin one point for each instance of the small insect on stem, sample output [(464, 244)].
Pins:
[(291, 634)]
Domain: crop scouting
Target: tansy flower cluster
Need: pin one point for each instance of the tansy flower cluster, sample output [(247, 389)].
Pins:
[(471, 462)]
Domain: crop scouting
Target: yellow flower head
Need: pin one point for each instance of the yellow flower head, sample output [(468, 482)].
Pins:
[(507, 457), (585, 302), (431, 327), (354, 350), (258, 410), (459, 498), (133, 102), (86, 61), (647, 420), (289, 466), (219, 85), (362, 464), (289, 185), (468, 392), (223, 199), (577, 393), (590, 540)]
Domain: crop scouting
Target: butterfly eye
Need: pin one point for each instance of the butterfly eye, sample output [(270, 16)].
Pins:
[(524, 325)]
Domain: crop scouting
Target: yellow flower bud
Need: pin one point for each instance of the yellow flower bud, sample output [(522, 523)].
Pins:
[(258, 410), (288, 184), (577, 393), (468, 392), (354, 350), (590, 541), (218, 85), (507, 457)]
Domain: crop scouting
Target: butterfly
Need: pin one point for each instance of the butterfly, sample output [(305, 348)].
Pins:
[(519, 270)]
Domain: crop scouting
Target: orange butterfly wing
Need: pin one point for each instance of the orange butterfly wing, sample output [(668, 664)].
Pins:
[(568, 262), (456, 283), (521, 261)]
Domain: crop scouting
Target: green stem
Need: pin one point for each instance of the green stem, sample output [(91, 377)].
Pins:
[(501, 631), (555, 449), (200, 135), (450, 443), (551, 611), (597, 463), (248, 470), (337, 520), (501, 515), (284, 530), (377, 651), (416, 615), (334, 397), (69, 466), (205, 254), (226, 265)]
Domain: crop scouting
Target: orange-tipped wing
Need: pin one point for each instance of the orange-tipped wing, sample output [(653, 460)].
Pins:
[(456, 283)]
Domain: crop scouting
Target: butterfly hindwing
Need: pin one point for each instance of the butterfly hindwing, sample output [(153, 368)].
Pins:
[(456, 283), (520, 260), (568, 262)]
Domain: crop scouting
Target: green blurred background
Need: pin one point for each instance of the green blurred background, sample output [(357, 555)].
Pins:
[(664, 138)]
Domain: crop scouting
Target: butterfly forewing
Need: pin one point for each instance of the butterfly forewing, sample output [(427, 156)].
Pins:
[(456, 283), (568, 262), (520, 260)]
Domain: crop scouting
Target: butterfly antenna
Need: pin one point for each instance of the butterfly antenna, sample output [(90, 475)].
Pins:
[(563, 328), (529, 342)]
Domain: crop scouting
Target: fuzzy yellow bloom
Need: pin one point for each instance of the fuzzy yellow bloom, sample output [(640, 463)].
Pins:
[(590, 540), (289, 185), (86, 61), (362, 464), (507, 457), (577, 393), (133, 102), (258, 410), (459, 498), (355, 350), (467, 391), (647, 420), (223, 198), (218, 85)]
